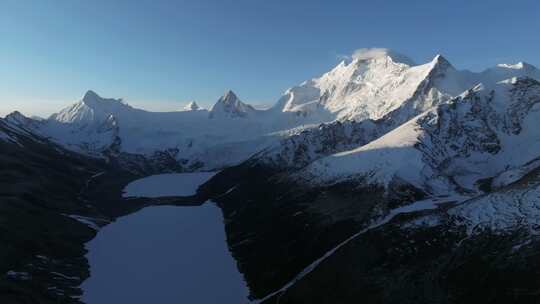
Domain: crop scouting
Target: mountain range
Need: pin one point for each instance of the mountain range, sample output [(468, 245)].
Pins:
[(364, 89)]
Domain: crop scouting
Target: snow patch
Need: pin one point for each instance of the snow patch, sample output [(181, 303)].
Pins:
[(501, 211), (18, 275), (379, 161), (88, 221)]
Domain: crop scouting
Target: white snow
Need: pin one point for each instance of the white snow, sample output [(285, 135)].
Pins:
[(425, 151), (88, 221), (192, 106), (379, 161), (502, 211), (94, 124), (174, 184), (58, 274), (230, 106), (377, 81), (363, 88)]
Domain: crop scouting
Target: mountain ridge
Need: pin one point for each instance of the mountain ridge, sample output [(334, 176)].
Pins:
[(366, 88)]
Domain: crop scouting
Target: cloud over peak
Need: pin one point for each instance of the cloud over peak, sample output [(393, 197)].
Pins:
[(373, 53)]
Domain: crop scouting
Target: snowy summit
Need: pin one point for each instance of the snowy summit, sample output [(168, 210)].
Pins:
[(191, 106), (229, 105)]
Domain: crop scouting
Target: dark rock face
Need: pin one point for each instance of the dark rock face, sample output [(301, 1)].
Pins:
[(426, 265), (276, 227)]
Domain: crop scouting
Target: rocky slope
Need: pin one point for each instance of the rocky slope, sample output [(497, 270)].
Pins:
[(481, 250)]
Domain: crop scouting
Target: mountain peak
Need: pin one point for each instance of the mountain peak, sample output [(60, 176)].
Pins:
[(92, 99), (90, 95), (229, 96), (91, 107), (192, 106), (16, 114), (231, 106), (16, 117), (441, 59), (440, 62)]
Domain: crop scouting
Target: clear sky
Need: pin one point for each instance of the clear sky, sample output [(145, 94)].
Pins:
[(158, 54)]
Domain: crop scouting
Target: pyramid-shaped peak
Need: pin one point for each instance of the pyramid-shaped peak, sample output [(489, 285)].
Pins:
[(91, 96), (192, 106), (230, 105), (15, 117), (15, 114), (92, 99), (229, 96), (18, 119), (440, 60)]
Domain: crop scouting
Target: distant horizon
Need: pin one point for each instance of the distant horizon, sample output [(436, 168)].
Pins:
[(159, 55)]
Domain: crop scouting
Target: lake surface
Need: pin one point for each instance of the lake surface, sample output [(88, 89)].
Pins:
[(173, 184), (164, 254)]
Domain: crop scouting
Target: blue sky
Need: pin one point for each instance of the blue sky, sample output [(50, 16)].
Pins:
[(159, 54)]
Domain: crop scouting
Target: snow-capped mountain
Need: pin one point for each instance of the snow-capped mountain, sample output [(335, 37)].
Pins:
[(224, 136), (441, 83), (372, 87), (363, 99), (483, 133), (229, 105), (91, 109), (192, 106)]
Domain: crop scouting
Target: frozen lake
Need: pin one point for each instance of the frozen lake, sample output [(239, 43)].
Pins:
[(179, 184), (164, 254)]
